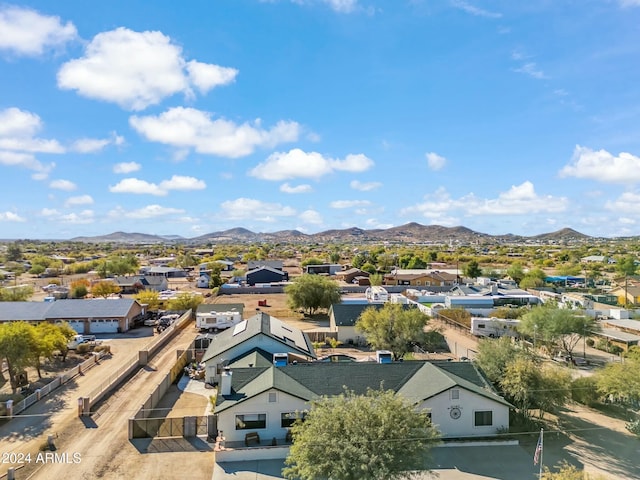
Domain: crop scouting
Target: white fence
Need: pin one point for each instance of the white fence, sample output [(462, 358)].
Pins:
[(113, 379), (57, 382)]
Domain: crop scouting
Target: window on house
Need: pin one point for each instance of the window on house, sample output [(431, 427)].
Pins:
[(455, 394), (483, 418), (417, 282), (288, 419), (273, 397), (251, 421)]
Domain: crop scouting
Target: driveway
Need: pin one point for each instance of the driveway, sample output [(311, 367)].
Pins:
[(451, 463)]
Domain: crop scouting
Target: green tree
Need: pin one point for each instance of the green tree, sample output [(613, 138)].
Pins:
[(185, 301), (151, 298), (369, 268), (48, 339), (16, 294), (14, 253), (376, 436), (393, 328), (620, 380), (494, 354), (312, 261), (105, 288), (557, 327), (376, 279), (17, 342), (472, 269), (568, 472), (516, 272), (521, 382), (312, 292)]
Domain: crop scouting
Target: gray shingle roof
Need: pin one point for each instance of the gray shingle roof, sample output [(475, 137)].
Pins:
[(346, 314), (415, 380), (38, 311), (260, 324)]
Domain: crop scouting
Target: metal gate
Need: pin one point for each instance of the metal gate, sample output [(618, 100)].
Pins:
[(173, 427)]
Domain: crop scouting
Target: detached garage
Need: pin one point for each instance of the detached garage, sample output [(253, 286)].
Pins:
[(84, 316)]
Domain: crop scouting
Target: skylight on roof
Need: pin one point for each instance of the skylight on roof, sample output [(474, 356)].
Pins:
[(240, 327)]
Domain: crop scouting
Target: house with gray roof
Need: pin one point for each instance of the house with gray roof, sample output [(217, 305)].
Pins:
[(84, 316), (265, 399), (343, 318), (261, 331)]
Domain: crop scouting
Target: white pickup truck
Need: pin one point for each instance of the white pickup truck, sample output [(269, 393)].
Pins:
[(80, 339)]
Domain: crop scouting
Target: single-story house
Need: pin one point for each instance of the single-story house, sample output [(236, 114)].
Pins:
[(351, 274), (168, 272), (266, 399), (421, 279), (253, 264), (84, 316), (324, 269), (261, 331), (632, 293), (135, 283), (343, 318), (266, 275)]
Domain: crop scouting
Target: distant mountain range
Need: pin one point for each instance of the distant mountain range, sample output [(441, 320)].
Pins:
[(409, 233)]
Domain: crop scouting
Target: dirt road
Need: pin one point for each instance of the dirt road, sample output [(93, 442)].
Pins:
[(98, 446)]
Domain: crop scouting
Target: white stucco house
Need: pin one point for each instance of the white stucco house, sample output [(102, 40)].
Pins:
[(264, 399)]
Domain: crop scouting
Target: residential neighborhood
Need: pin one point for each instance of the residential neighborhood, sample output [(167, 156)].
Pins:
[(261, 365)]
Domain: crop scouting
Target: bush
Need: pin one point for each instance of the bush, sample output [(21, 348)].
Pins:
[(634, 427), (584, 391), (83, 348), (103, 348), (590, 342)]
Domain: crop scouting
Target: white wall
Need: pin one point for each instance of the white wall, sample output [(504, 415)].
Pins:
[(262, 341), (260, 404), (469, 402)]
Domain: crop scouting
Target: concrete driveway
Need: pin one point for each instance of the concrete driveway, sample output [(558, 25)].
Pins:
[(451, 463)]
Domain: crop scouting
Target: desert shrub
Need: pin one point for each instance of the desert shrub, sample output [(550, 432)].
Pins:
[(584, 391), (83, 348)]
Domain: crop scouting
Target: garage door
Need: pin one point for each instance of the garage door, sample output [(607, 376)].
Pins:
[(104, 326), (77, 325)]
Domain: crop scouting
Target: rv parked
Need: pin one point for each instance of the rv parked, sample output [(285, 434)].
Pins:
[(214, 321), (494, 327)]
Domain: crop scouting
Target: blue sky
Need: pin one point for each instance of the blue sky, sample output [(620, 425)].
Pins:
[(191, 117)]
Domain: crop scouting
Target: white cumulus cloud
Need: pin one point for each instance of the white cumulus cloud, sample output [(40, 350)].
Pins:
[(150, 211), (66, 185), (136, 70), (627, 202), (303, 188), (435, 161), (249, 208), (79, 200), (126, 167), (364, 186), (311, 216), (18, 129), (521, 199), (93, 145), (180, 182), (205, 76), (194, 129), (298, 163), (11, 217), (602, 166), (82, 218), (26, 32), (349, 203), (142, 187)]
